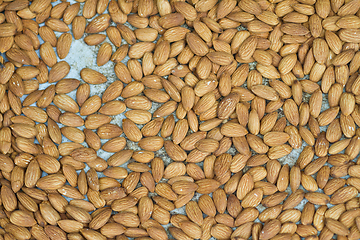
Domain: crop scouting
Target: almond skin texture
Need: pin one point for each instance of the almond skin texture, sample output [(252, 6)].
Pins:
[(167, 120)]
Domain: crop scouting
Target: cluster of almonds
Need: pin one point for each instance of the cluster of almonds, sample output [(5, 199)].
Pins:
[(210, 99)]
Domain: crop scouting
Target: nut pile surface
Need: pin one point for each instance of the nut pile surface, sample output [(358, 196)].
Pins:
[(225, 89)]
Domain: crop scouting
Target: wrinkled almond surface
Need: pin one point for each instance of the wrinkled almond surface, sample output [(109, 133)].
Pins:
[(204, 119)]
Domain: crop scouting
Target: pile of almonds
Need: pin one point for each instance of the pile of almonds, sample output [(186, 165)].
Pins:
[(237, 86)]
